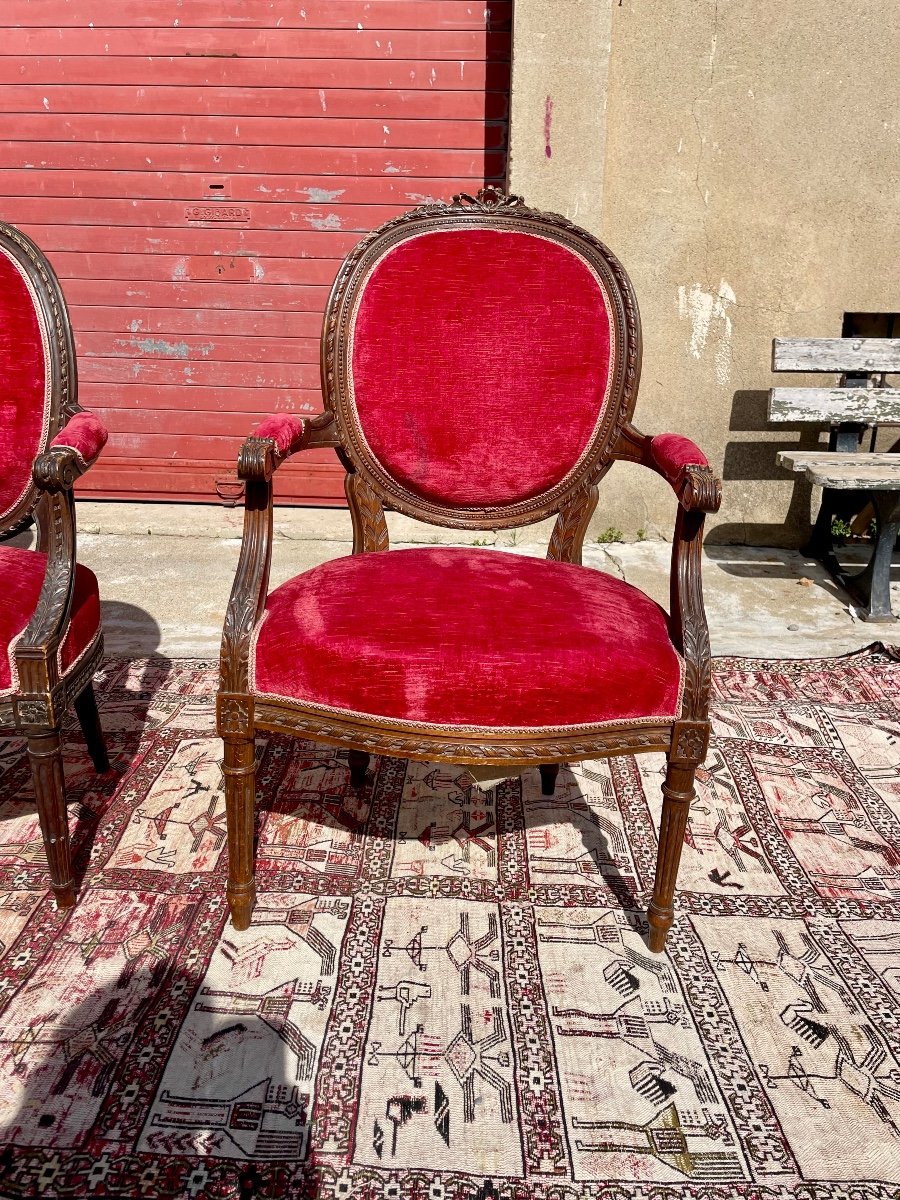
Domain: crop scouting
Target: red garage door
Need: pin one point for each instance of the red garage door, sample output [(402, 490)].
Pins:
[(196, 169)]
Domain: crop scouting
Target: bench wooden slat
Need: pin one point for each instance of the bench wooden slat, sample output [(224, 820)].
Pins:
[(836, 354), (865, 406), (829, 468)]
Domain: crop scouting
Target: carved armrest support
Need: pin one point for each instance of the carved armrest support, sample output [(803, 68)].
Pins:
[(275, 439), (689, 628), (278, 437), (699, 491), (36, 649), (72, 452)]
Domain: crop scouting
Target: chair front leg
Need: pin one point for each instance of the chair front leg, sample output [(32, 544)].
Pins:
[(678, 792), (89, 719), (45, 756), (239, 769)]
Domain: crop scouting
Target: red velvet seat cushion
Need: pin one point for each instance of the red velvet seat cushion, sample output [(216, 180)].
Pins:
[(21, 577), (474, 637)]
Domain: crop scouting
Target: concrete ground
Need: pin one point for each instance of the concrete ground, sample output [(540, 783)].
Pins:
[(166, 571)]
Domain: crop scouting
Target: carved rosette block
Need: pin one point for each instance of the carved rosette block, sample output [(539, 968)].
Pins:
[(690, 741), (35, 710), (234, 716)]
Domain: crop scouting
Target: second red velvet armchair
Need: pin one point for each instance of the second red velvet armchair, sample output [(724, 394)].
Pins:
[(50, 634)]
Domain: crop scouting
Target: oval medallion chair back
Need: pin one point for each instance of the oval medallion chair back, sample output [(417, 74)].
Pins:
[(49, 605), (480, 365)]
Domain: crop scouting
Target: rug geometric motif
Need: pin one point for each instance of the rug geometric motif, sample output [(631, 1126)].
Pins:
[(445, 993)]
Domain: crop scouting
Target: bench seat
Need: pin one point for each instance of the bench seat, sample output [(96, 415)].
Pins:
[(830, 468)]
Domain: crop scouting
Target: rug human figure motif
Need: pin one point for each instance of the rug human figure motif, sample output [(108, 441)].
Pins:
[(445, 993)]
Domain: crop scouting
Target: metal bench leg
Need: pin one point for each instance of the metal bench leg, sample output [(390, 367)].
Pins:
[(873, 584), (835, 502)]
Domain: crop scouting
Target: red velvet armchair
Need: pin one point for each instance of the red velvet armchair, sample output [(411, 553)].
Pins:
[(50, 635), (480, 365)]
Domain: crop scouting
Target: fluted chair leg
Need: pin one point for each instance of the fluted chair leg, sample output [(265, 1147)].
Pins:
[(678, 792), (45, 756), (89, 719), (239, 769), (359, 764), (549, 772)]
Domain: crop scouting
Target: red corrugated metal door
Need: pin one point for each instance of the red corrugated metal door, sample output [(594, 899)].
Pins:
[(196, 170)]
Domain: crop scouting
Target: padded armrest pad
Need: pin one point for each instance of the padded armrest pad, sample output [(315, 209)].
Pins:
[(671, 453), (284, 429), (84, 433)]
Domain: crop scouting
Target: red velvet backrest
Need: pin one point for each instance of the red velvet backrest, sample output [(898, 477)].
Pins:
[(477, 360), (25, 375)]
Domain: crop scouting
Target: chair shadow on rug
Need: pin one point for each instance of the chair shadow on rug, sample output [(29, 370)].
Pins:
[(480, 365), (64, 1093), (134, 635), (314, 813)]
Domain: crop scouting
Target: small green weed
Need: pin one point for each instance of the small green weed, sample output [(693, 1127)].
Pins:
[(641, 534), (840, 529), (611, 534)]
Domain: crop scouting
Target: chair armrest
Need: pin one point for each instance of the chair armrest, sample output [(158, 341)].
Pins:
[(686, 468), (683, 465), (279, 436), (73, 451)]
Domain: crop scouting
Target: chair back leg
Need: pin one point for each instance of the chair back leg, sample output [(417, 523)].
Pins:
[(549, 772), (359, 764), (89, 719), (239, 769), (45, 756), (678, 792)]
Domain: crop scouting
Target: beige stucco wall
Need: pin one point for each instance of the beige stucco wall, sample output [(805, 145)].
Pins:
[(743, 162)]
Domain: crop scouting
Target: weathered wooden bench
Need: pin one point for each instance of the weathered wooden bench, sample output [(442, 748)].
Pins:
[(861, 402)]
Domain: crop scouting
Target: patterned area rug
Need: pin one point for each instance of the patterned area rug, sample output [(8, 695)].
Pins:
[(445, 994)]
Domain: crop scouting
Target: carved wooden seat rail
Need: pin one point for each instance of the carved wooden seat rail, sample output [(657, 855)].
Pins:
[(480, 365), (50, 637)]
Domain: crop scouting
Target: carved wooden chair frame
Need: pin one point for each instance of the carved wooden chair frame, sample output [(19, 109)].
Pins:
[(371, 490), (37, 707)]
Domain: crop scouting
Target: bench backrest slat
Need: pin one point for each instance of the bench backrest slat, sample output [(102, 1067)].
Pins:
[(836, 354), (863, 406)]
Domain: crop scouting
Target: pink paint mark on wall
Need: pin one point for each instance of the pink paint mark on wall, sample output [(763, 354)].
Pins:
[(548, 122)]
